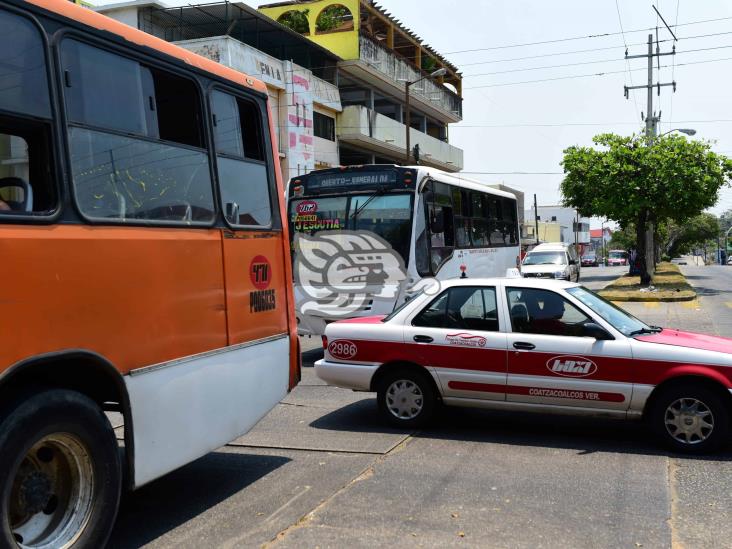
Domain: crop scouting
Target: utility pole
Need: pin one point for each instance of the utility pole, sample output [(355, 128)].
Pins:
[(536, 220), (646, 248)]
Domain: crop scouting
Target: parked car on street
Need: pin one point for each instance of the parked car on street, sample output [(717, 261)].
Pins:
[(552, 260), (589, 259), (534, 345), (617, 258)]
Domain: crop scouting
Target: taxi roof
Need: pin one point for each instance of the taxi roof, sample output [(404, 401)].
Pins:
[(509, 281)]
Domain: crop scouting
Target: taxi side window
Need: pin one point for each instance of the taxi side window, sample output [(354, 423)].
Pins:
[(461, 308), (536, 311)]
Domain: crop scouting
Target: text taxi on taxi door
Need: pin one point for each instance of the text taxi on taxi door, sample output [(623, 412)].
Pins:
[(533, 345), (145, 266)]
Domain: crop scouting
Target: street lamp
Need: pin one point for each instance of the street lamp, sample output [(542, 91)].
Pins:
[(407, 84), (687, 131)]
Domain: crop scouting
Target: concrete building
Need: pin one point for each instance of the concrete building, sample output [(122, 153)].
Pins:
[(549, 231), (300, 75), (378, 56), (573, 228)]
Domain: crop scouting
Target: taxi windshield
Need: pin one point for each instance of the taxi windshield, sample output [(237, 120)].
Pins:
[(625, 323)]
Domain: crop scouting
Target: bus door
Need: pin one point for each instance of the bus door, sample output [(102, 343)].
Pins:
[(254, 262)]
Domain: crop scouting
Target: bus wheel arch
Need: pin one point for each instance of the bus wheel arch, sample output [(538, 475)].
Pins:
[(60, 472), (79, 370)]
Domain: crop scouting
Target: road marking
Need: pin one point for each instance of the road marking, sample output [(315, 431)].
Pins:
[(651, 304), (693, 304), (728, 303)]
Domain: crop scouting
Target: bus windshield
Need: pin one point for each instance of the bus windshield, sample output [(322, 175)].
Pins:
[(387, 215)]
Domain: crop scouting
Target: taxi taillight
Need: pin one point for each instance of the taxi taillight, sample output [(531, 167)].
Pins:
[(325, 342)]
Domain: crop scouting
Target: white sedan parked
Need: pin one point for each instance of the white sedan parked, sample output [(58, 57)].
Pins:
[(534, 345)]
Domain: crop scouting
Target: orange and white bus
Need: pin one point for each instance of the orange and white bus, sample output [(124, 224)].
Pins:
[(144, 266)]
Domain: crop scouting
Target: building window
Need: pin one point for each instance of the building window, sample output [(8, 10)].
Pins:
[(334, 18), (295, 20), (324, 126)]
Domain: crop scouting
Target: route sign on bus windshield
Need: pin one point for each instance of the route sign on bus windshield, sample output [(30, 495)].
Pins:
[(356, 179)]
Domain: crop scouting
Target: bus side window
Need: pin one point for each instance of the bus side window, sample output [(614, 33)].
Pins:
[(243, 177), (26, 183), (510, 236), (441, 224), (136, 140), (421, 244)]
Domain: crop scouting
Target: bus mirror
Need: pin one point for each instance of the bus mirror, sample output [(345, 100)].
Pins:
[(232, 212)]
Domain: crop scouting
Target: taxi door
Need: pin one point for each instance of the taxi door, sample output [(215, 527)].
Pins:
[(457, 337), (551, 363)]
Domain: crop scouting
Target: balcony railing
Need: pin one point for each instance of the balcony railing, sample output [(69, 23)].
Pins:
[(399, 70), (361, 125)]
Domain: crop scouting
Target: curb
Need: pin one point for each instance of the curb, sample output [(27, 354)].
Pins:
[(649, 299)]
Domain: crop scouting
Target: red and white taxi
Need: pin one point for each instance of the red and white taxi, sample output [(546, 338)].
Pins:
[(534, 345)]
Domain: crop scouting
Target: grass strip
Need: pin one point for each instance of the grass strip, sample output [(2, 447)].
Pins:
[(669, 284)]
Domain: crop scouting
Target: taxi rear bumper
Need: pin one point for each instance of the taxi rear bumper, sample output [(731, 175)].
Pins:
[(349, 376)]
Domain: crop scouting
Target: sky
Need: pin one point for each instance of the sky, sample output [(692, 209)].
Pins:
[(512, 125)]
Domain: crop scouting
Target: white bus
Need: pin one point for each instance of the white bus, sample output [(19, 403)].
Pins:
[(435, 225)]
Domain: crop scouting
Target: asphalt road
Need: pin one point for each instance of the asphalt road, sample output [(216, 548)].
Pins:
[(322, 471)]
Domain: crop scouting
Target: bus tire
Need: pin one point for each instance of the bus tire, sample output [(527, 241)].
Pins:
[(59, 452), (406, 398)]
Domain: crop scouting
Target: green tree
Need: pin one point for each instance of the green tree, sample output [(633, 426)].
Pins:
[(633, 183), (681, 238), (725, 221), (623, 239)]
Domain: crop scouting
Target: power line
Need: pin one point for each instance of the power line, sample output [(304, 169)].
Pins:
[(606, 73), (627, 62), (571, 124), (512, 173), (588, 50), (673, 71), (614, 60), (601, 35)]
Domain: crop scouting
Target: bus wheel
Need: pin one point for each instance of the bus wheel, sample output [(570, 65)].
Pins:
[(59, 472), (406, 398)]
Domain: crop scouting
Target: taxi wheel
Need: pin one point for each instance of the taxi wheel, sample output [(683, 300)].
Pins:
[(406, 398), (60, 476), (692, 419)]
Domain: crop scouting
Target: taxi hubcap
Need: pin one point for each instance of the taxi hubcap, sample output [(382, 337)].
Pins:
[(689, 421), (404, 399)]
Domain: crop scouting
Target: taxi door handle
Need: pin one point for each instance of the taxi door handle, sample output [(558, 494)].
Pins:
[(523, 345), (423, 339)]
